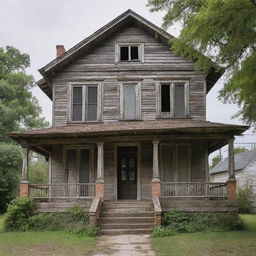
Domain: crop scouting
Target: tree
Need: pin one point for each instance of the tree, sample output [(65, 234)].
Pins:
[(38, 169), (18, 110), (225, 32)]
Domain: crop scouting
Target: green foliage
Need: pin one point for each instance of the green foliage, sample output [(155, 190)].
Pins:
[(38, 169), (184, 222), (74, 221), (18, 110), (225, 31), (240, 150), (10, 168), (244, 198), (215, 160), (18, 213), (163, 231)]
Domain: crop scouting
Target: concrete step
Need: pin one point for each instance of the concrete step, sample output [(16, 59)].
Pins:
[(131, 220), (125, 226), (127, 214), (126, 209), (125, 231)]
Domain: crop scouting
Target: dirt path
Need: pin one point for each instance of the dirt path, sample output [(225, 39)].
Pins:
[(125, 245)]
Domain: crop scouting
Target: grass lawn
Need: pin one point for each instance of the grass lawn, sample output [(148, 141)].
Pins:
[(235, 243), (44, 243)]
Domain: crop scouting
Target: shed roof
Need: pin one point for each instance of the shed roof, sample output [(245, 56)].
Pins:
[(49, 70), (241, 161)]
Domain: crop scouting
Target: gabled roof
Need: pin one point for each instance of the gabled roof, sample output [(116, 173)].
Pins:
[(241, 161), (103, 33)]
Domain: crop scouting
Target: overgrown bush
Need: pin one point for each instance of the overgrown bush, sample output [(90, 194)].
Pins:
[(185, 222), (244, 198), (163, 231), (18, 213), (21, 217)]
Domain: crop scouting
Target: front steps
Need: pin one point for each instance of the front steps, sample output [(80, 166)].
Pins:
[(126, 217)]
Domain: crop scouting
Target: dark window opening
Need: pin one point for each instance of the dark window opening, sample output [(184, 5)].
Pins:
[(77, 104), (179, 100), (124, 53), (134, 53), (165, 98)]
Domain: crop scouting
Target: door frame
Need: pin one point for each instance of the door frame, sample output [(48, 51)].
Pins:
[(128, 144)]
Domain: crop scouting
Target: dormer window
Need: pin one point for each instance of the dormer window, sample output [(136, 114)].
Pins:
[(129, 53), (84, 103), (173, 99)]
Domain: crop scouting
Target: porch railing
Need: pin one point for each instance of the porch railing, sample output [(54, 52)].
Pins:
[(194, 189), (62, 190)]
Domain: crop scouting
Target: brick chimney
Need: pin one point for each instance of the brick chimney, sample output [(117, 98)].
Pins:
[(60, 49)]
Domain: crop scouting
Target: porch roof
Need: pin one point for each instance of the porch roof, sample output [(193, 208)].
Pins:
[(132, 128)]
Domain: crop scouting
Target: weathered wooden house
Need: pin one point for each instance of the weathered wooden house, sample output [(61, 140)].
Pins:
[(129, 123)]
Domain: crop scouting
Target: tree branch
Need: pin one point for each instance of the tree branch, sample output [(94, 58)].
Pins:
[(253, 2)]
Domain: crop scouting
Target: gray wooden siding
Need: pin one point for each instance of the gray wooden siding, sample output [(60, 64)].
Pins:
[(198, 166), (99, 65)]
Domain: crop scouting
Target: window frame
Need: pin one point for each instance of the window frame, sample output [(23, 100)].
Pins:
[(176, 174), (171, 114), (137, 86), (91, 163), (85, 101), (129, 45)]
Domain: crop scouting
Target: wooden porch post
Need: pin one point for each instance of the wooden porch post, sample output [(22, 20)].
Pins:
[(231, 183), (100, 171), (24, 184), (156, 180)]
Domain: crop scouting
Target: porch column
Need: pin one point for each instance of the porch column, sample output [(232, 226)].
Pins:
[(24, 184), (231, 183), (100, 171), (156, 180)]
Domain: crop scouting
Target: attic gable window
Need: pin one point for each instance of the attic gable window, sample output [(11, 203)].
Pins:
[(129, 53), (84, 103), (173, 100)]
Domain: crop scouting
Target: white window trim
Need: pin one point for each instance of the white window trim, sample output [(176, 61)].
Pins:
[(140, 52), (176, 145), (138, 99), (91, 163), (172, 83), (84, 100)]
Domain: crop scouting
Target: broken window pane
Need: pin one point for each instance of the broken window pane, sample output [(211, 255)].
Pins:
[(165, 98), (124, 53), (179, 108)]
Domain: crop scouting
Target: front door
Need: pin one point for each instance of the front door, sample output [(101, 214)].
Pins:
[(127, 172)]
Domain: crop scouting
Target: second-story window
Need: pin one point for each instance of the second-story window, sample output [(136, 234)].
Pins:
[(84, 105), (130, 101), (174, 100)]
